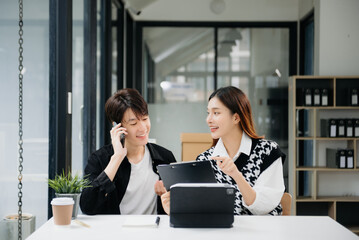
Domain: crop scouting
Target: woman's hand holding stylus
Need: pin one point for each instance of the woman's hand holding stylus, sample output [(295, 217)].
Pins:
[(227, 166)]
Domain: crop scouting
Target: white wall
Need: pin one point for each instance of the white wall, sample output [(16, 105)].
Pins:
[(235, 10), (336, 34), (336, 37), (304, 7)]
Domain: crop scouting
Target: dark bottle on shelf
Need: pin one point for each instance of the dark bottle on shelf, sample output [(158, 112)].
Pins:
[(341, 158), (353, 97), (350, 158), (332, 128), (324, 97), (349, 128), (341, 128), (308, 97), (356, 127), (316, 97)]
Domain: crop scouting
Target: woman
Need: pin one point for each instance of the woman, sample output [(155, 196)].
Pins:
[(124, 177), (241, 157)]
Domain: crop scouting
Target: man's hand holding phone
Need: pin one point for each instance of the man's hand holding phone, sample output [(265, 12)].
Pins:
[(118, 134), (122, 136), (119, 150)]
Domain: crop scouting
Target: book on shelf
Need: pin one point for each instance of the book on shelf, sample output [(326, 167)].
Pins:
[(331, 157), (324, 127)]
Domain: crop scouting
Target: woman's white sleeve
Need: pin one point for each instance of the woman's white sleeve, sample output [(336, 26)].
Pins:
[(269, 189)]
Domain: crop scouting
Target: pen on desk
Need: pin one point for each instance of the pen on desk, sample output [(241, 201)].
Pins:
[(158, 221), (81, 223)]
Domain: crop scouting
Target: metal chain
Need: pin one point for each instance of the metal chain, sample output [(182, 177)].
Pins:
[(20, 120)]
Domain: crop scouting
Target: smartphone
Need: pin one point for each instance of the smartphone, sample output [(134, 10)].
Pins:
[(122, 137)]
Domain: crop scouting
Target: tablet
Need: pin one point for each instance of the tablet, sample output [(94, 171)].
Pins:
[(186, 172), (202, 205)]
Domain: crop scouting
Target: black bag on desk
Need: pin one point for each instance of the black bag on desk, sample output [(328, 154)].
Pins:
[(202, 205)]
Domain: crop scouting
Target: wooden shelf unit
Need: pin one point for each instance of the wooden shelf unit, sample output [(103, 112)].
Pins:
[(343, 208)]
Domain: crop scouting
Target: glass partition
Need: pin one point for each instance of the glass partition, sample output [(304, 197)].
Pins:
[(179, 66), (35, 110), (256, 60), (77, 85)]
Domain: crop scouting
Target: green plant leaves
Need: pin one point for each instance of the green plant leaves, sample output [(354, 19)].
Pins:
[(66, 183)]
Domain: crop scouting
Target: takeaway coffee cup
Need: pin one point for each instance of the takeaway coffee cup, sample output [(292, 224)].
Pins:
[(62, 210)]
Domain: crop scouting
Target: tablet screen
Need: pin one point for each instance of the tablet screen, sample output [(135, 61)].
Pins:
[(186, 172)]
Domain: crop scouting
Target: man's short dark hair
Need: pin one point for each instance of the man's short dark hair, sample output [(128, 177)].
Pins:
[(122, 100)]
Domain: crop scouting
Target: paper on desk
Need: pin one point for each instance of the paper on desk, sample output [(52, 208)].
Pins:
[(140, 221)]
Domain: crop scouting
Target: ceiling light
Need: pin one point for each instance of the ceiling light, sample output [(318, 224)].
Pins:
[(217, 6)]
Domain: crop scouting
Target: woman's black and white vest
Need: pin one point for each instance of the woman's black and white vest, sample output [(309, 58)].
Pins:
[(263, 153)]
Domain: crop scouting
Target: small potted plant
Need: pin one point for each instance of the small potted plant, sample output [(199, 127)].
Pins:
[(66, 185)]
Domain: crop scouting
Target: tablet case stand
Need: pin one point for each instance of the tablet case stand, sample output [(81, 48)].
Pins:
[(202, 205)]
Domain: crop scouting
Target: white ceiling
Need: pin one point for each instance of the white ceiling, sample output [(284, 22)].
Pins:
[(228, 10)]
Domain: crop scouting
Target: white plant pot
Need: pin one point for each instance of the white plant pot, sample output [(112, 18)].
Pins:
[(9, 226)]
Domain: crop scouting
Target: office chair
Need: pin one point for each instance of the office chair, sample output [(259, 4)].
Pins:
[(286, 203)]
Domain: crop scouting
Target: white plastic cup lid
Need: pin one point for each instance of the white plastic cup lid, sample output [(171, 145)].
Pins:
[(62, 201)]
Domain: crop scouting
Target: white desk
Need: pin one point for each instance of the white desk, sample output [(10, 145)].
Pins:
[(244, 227)]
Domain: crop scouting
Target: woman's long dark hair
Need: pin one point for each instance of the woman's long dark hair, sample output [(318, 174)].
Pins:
[(237, 102)]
